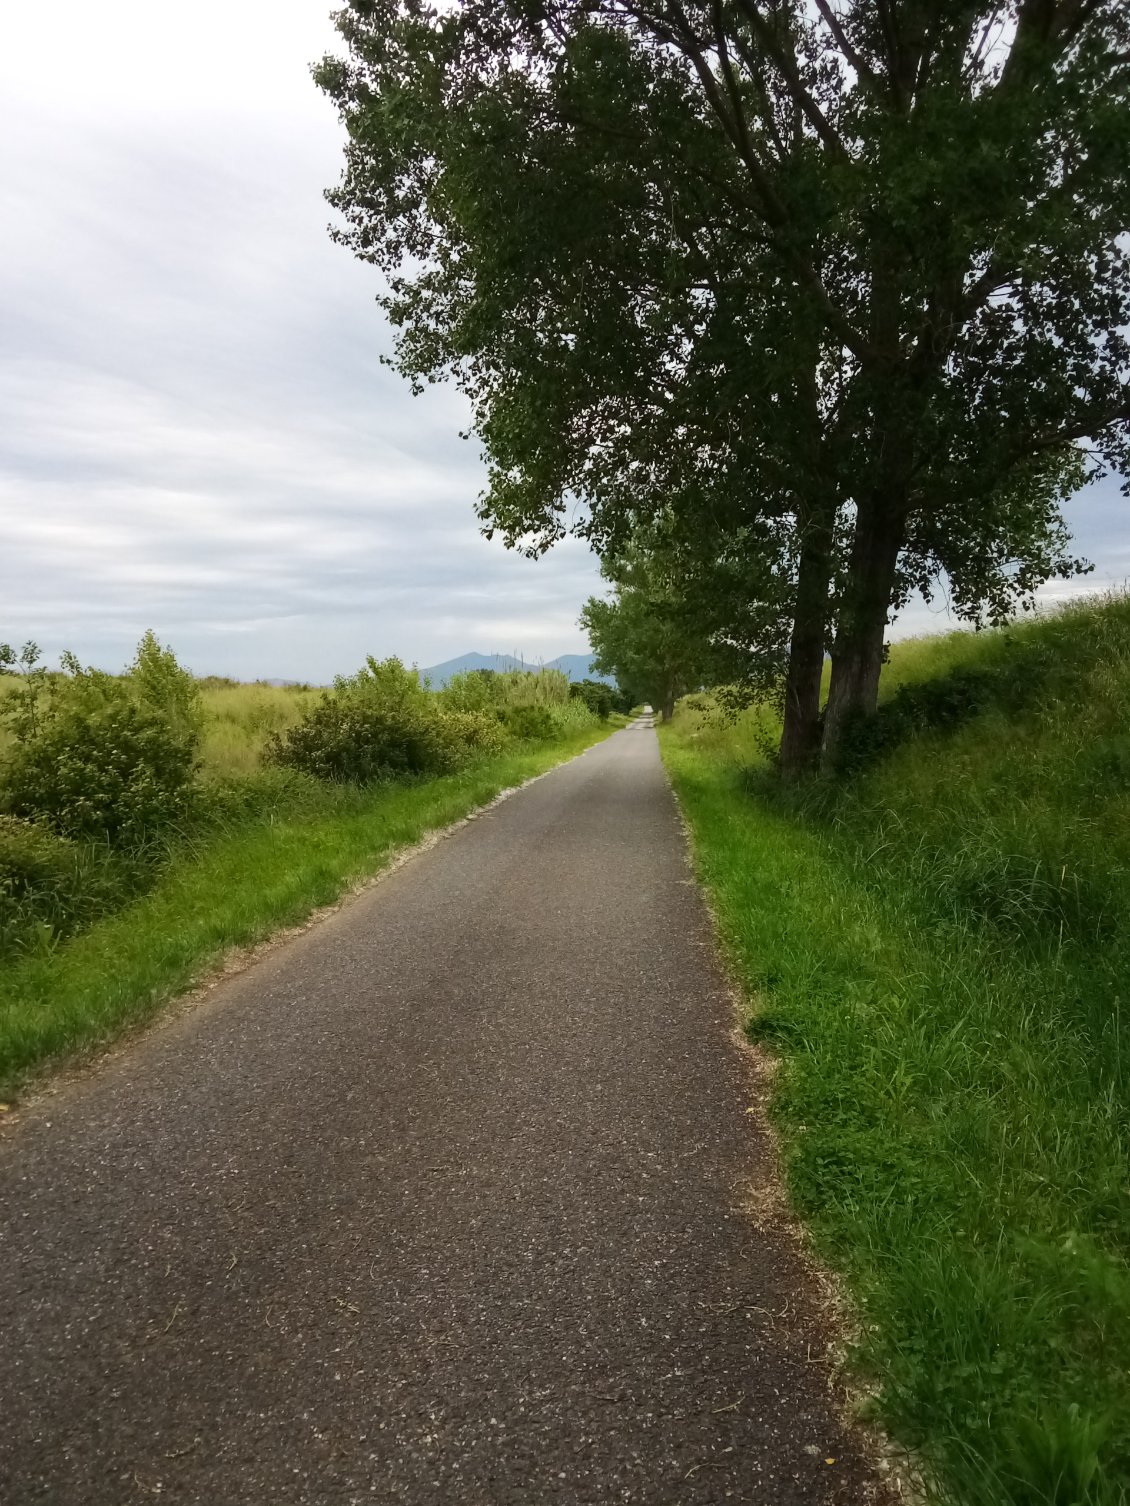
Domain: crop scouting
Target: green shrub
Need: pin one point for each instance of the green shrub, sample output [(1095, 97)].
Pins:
[(491, 690), (474, 690), (596, 695), (530, 723), (98, 756), (358, 740), (534, 687), (105, 767), (472, 734), (37, 878), (382, 724), (574, 716), (32, 860), (233, 802), (161, 683)]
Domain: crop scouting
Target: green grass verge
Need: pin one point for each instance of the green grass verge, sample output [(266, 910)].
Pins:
[(939, 950), (233, 888)]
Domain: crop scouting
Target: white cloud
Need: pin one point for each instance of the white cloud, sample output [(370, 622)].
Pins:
[(196, 432)]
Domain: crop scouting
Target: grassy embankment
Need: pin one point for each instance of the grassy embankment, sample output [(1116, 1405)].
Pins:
[(268, 847), (937, 945)]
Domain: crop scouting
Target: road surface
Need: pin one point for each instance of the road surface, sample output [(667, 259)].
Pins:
[(441, 1202)]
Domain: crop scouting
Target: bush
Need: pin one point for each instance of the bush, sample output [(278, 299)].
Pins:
[(105, 768), (574, 716), (36, 881), (530, 723), (941, 705), (161, 683), (474, 690), (358, 740), (98, 756), (472, 734), (534, 687), (32, 861), (494, 690), (596, 695), (382, 724)]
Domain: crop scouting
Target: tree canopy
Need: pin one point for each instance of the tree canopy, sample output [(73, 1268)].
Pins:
[(840, 286), (645, 633)]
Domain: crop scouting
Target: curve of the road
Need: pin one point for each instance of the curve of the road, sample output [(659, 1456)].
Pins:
[(440, 1203)]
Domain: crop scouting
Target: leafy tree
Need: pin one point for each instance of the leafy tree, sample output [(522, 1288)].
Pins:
[(843, 280), (597, 695), (639, 636)]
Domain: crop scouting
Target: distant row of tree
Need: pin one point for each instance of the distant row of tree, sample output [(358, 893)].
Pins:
[(789, 307)]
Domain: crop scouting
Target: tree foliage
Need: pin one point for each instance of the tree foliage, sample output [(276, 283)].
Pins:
[(641, 635), (842, 284)]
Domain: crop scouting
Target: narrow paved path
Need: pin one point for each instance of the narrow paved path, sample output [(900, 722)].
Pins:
[(440, 1203)]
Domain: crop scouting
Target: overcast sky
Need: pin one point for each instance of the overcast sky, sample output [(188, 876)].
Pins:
[(196, 433)]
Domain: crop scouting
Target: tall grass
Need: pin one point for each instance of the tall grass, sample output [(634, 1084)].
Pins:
[(938, 944), (238, 719)]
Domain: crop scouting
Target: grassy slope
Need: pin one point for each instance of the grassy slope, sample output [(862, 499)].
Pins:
[(939, 947), (269, 869)]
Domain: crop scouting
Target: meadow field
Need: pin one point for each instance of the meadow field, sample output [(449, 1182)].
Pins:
[(149, 822), (936, 944)]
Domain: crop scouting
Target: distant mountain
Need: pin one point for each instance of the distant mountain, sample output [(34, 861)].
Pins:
[(439, 674), (575, 666), (579, 667)]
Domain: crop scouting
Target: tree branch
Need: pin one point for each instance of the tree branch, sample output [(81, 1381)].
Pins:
[(1096, 420), (1044, 30), (756, 81), (773, 212), (730, 80), (894, 54), (786, 65), (854, 59)]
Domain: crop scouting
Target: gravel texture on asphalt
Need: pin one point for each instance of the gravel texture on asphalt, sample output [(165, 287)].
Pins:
[(441, 1202)]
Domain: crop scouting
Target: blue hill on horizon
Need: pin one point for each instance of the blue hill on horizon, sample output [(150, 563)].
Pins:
[(574, 666)]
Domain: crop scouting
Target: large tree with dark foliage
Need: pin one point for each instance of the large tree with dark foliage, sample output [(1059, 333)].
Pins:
[(844, 279)]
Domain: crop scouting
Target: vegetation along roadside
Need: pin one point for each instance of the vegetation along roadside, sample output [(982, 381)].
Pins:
[(149, 822), (936, 942)]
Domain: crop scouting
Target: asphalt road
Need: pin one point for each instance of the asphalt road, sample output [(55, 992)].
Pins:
[(441, 1202)]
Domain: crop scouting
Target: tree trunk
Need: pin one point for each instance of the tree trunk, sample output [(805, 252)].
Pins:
[(668, 708), (897, 397), (857, 657), (801, 730)]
